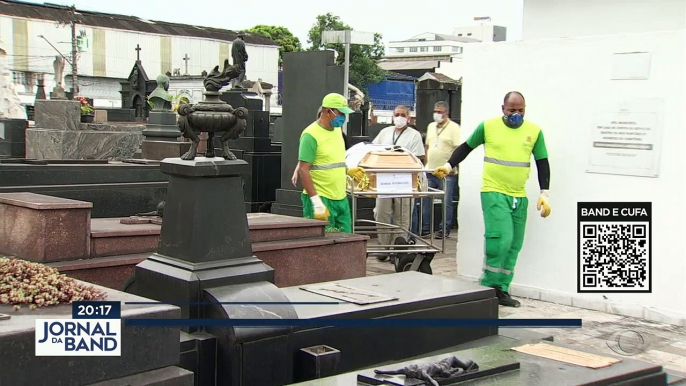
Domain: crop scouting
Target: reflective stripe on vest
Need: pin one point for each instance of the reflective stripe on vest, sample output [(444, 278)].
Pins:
[(328, 166), (507, 163)]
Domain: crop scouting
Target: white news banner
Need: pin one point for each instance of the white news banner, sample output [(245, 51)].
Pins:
[(78, 337)]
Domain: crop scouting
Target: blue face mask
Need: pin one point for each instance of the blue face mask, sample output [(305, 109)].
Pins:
[(338, 121), (515, 120)]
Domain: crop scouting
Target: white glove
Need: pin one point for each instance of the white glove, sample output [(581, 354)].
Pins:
[(320, 210)]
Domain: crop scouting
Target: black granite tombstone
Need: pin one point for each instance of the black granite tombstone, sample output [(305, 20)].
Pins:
[(496, 351), (116, 190), (255, 146), (12, 137), (307, 78)]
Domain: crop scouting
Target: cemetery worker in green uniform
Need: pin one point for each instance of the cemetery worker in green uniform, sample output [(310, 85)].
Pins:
[(322, 167), (509, 141)]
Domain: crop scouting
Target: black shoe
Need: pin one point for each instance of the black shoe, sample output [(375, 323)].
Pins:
[(504, 298), (440, 235)]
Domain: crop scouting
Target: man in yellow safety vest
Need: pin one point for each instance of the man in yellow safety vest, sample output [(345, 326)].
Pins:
[(509, 141), (322, 167)]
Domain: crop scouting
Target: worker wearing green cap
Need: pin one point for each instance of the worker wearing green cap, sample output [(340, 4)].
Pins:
[(322, 168)]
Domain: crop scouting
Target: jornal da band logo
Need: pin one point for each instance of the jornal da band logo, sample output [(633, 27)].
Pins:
[(78, 337)]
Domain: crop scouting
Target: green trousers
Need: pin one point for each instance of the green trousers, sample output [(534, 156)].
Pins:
[(505, 222), (340, 219)]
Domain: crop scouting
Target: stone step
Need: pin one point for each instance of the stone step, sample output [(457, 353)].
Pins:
[(109, 237), (334, 256)]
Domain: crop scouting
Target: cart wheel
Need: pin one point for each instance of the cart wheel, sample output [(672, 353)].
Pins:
[(404, 263), (398, 241), (382, 258)]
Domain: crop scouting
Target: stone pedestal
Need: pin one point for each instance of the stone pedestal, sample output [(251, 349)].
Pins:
[(57, 114), (162, 137), (204, 240), (162, 126), (58, 94), (59, 134)]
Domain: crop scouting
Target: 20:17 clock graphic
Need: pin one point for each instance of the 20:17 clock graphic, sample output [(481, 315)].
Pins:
[(96, 310)]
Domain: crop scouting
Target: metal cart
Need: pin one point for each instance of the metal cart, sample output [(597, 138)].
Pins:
[(408, 252)]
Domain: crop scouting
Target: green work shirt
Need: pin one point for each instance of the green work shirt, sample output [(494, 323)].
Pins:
[(324, 150)]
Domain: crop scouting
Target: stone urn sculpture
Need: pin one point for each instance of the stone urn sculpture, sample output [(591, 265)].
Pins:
[(213, 115)]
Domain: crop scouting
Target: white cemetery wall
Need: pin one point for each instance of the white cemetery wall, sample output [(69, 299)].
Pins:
[(570, 86), (564, 18)]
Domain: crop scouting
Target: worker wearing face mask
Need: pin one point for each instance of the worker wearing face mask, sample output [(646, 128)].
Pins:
[(400, 209), (442, 137), (322, 167), (509, 142)]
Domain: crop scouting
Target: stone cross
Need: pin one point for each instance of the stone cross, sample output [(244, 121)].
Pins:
[(186, 59), (138, 52)]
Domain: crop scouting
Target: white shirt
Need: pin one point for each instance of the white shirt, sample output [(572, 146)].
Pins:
[(409, 138)]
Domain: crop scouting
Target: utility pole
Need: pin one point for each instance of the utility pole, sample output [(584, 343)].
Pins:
[(74, 69)]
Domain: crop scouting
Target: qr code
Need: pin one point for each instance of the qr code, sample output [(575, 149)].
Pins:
[(615, 256)]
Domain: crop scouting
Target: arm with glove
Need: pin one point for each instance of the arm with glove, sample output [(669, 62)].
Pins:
[(460, 153), (544, 182), (321, 212), (477, 138), (306, 154)]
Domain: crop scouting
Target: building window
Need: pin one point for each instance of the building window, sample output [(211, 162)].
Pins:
[(20, 78), (437, 48), (469, 34), (413, 49), (424, 49), (459, 34), (400, 49), (457, 49)]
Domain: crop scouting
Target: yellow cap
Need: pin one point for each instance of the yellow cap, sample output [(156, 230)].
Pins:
[(338, 102)]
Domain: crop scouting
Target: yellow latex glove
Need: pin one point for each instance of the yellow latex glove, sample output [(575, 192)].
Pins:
[(543, 204), (321, 212), (356, 173), (442, 171)]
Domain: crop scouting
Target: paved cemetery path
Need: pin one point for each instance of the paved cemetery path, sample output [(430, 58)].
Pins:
[(666, 344)]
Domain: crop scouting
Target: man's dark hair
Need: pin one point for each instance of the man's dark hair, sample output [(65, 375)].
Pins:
[(509, 94)]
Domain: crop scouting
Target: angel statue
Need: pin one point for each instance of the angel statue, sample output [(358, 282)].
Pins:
[(58, 65)]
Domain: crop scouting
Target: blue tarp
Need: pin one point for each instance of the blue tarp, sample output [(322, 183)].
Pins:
[(388, 94)]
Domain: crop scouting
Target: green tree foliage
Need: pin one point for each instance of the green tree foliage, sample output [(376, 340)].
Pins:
[(364, 69), (279, 35)]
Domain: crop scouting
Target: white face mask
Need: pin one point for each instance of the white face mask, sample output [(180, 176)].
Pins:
[(400, 122), (438, 117)]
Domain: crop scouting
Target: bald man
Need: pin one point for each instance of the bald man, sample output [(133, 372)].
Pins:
[(509, 142)]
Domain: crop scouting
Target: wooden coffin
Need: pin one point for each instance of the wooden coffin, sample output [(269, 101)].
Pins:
[(382, 182)]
